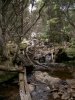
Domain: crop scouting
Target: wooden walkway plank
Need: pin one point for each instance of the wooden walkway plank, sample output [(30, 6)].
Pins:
[(23, 86)]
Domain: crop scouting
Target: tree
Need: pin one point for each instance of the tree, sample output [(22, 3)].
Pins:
[(59, 20)]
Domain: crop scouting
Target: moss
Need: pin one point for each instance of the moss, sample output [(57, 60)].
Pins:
[(70, 51), (6, 76), (70, 63)]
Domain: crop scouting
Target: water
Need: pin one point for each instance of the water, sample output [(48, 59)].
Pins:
[(9, 92), (62, 74)]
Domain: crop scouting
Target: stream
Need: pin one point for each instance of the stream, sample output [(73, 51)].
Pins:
[(9, 92), (41, 86)]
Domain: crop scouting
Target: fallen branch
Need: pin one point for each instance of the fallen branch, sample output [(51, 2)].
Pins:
[(10, 69), (55, 67), (39, 14), (67, 15)]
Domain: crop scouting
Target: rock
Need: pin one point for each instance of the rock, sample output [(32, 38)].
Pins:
[(71, 82), (2, 98), (33, 93), (65, 96), (44, 77), (51, 88), (73, 93), (60, 93), (40, 92), (71, 99), (55, 95), (55, 90), (48, 58), (31, 87)]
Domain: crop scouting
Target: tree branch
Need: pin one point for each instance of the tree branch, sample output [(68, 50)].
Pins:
[(68, 16), (35, 20)]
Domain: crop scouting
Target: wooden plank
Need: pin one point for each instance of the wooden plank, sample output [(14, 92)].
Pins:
[(23, 86), (26, 85)]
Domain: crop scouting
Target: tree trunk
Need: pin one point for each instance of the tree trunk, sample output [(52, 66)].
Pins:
[(4, 27)]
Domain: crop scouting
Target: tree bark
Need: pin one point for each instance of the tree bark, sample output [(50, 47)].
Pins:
[(4, 27)]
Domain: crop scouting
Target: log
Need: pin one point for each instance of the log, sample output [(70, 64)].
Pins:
[(39, 66), (23, 86), (10, 69), (55, 67)]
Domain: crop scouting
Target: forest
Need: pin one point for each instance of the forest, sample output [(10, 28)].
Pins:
[(37, 49)]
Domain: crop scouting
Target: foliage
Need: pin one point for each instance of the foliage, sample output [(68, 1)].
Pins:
[(72, 43), (70, 51), (43, 36), (57, 24)]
